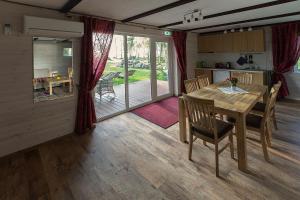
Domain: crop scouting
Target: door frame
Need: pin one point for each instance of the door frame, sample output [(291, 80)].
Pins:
[(153, 81)]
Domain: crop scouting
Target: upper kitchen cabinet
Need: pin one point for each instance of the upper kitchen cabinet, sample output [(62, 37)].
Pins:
[(227, 43), (240, 43), (248, 41), (255, 41)]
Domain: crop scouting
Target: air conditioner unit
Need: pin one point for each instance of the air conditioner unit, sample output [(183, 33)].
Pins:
[(38, 26)]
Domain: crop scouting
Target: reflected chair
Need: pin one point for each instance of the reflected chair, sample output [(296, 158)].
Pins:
[(191, 85), (204, 125), (203, 81)]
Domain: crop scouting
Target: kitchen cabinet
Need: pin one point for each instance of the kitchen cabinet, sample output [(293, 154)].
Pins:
[(227, 43), (248, 41), (240, 42), (255, 41)]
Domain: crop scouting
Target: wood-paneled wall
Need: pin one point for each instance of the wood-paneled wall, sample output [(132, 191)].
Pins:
[(22, 123)]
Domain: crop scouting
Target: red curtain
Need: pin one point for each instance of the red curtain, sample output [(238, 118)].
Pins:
[(286, 52), (95, 48), (179, 38)]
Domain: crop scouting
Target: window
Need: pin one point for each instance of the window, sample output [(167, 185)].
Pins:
[(52, 68), (67, 52)]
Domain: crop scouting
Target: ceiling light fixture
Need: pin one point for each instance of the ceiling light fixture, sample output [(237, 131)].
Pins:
[(193, 16), (250, 28)]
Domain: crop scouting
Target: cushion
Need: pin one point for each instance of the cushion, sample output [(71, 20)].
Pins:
[(251, 120), (222, 129), (259, 107)]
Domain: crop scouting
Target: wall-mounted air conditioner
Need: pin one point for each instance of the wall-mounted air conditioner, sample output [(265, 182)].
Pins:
[(38, 26)]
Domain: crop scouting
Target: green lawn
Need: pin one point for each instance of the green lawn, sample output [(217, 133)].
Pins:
[(139, 74)]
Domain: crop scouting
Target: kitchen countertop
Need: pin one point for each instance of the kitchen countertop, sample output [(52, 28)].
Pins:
[(244, 70)]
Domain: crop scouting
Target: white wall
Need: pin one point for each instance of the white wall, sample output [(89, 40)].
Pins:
[(22, 123)]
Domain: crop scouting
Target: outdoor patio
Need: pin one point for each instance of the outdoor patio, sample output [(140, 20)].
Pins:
[(139, 92)]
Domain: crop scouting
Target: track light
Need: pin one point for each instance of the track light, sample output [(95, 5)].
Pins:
[(193, 16)]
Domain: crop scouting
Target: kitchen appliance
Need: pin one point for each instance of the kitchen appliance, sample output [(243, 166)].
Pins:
[(220, 75)]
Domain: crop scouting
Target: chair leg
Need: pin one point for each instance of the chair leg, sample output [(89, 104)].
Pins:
[(217, 159), (264, 145), (274, 121), (230, 137), (190, 146), (268, 133)]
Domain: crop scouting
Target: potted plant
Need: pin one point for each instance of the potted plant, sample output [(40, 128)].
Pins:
[(233, 81)]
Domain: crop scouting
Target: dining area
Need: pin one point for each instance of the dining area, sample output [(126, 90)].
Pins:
[(228, 110)]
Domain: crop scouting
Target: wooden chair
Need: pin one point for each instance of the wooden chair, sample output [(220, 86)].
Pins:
[(204, 125), (259, 109), (261, 124), (191, 85), (244, 78), (203, 81)]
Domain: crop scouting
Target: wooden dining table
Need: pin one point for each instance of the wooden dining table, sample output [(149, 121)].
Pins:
[(232, 105)]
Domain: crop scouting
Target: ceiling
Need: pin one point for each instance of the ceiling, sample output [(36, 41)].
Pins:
[(122, 9)]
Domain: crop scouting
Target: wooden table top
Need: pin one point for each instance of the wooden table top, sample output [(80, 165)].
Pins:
[(61, 79), (238, 103)]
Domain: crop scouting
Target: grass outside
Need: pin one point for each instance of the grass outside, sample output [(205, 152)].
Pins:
[(138, 75)]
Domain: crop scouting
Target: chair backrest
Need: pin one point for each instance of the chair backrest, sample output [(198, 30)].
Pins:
[(191, 85), (270, 105), (244, 78), (203, 81), (201, 113)]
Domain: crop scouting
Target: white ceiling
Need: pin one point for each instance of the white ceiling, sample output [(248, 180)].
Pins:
[(121, 9), (55, 4)]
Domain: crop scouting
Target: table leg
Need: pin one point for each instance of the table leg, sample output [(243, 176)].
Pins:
[(241, 142), (182, 121), (50, 89), (70, 87)]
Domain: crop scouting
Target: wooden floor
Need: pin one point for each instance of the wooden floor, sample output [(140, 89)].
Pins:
[(127, 157), (139, 93)]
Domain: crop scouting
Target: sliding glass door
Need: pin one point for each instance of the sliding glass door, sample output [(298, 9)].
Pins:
[(137, 72), (162, 68), (110, 90)]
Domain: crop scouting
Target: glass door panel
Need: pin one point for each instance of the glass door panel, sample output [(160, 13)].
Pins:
[(110, 89), (139, 70), (162, 68)]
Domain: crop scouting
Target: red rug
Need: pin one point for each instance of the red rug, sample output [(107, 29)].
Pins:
[(162, 113)]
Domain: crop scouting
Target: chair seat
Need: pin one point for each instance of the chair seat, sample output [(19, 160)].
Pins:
[(222, 129), (251, 120), (260, 107)]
